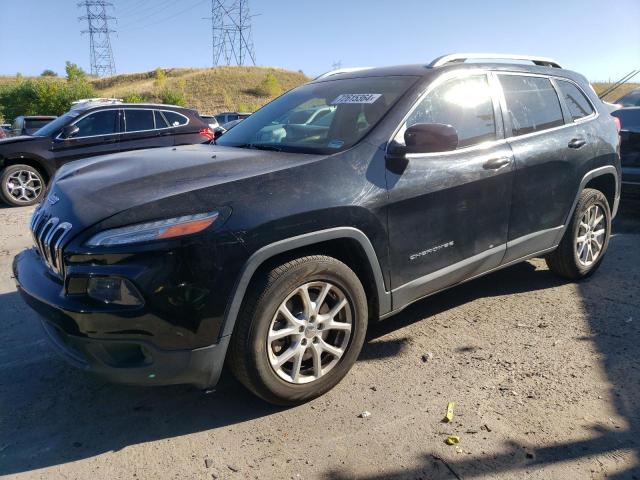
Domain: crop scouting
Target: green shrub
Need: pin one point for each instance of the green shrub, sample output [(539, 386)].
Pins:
[(74, 72), (132, 98), (41, 97), (48, 73), (269, 87), (160, 79), (172, 97)]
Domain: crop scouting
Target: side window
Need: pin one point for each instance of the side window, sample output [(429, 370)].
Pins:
[(578, 104), (175, 119), (99, 123), (532, 103), (463, 103), (138, 120), (160, 121)]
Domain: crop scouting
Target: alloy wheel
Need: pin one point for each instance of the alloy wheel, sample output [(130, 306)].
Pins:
[(310, 332), (591, 235), (24, 186)]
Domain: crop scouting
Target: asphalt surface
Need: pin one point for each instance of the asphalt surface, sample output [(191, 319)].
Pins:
[(545, 376)]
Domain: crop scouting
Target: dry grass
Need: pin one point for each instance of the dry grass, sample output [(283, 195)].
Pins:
[(209, 90)]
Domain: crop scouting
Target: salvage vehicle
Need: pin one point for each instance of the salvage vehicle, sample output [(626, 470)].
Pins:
[(90, 128), (630, 149), (272, 256)]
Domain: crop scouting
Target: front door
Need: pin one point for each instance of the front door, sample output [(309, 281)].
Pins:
[(98, 134), (449, 212)]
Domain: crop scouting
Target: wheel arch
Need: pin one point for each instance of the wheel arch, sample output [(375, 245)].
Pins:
[(605, 183), (32, 162), (598, 177), (347, 244)]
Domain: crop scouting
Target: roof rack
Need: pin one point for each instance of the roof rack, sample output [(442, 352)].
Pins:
[(341, 70), (462, 57)]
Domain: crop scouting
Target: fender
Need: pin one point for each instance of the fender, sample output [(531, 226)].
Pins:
[(590, 175), (282, 246)]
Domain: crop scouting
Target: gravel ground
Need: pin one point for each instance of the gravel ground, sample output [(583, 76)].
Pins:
[(544, 375)]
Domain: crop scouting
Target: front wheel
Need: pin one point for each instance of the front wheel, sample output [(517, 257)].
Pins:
[(300, 330), (21, 185), (586, 239)]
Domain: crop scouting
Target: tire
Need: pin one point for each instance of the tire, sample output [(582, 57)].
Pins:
[(253, 358), (21, 185), (571, 259)]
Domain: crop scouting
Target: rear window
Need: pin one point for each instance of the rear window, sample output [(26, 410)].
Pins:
[(138, 120), (36, 124), (175, 119), (532, 103), (577, 102)]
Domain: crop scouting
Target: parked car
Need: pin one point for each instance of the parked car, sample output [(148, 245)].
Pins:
[(630, 148), (229, 125), (158, 267), (227, 117), (211, 121), (4, 132), (28, 125), (630, 99), (27, 163)]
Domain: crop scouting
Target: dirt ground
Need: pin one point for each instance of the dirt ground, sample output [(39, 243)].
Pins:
[(545, 376)]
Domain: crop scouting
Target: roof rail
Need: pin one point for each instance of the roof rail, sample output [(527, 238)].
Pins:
[(462, 57), (97, 100), (341, 70)]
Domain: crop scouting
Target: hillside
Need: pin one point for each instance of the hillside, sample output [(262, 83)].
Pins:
[(209, 90), (212, 90)]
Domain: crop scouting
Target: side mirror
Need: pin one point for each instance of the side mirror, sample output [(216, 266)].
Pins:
[(430, 138), (218, 132), (69, 131)]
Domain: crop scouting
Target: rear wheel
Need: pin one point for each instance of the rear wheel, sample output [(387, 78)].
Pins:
[(21, 185), (586, 239), (300, 330)]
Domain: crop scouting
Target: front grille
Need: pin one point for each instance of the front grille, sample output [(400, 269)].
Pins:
[(48, 234)]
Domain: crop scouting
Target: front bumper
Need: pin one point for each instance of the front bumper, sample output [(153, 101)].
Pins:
[(123, 360)]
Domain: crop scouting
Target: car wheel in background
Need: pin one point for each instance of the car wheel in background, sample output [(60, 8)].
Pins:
[(21, 185)]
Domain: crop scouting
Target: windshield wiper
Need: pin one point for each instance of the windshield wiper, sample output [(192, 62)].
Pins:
[(261, 146)]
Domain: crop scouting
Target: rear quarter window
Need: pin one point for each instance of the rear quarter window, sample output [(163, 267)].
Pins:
[(175, 119), (577, 102), (532, 103)]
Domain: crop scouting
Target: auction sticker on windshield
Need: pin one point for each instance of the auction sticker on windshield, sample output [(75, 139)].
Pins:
[(356, 98)]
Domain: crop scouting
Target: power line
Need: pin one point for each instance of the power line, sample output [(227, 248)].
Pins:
[(137, 26), (101, 54)]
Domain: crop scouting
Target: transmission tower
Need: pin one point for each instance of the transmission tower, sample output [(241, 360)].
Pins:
[(231, 40), (102, 62)]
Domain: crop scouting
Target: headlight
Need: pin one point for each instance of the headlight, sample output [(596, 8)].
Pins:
[(158, 230)]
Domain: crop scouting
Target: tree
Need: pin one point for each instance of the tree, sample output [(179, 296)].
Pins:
[(74, 72), (48, 73), (160, 79)]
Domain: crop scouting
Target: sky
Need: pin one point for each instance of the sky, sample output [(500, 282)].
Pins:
[(599, 39)]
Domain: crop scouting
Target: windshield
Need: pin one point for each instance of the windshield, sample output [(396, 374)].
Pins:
[(51, 128), (322, 118)]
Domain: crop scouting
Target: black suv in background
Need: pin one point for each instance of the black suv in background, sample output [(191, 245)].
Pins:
[(273, 250), (91, 128)]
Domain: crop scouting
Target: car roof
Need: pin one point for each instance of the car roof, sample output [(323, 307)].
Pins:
[(37, 117), (424, 70)]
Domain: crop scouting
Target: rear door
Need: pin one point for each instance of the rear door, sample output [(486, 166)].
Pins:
[(449, 212), (144, 128), (98, 134), (550, 150), (185, 129)]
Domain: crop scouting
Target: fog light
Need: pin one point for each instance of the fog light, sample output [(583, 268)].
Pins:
[(118, 291)]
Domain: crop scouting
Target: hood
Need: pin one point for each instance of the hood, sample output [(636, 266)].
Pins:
[(92, 190), (18, 139)]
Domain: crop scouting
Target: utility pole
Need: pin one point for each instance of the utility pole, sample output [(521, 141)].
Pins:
[(102, 63), (231, 40)]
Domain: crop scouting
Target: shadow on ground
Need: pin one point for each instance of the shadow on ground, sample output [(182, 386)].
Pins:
[(84, 417)]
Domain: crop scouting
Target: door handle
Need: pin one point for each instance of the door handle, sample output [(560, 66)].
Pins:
[(577, 142), (496, 163)]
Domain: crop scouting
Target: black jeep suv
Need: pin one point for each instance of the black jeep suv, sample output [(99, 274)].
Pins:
[(90, 128), (273, 249)]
